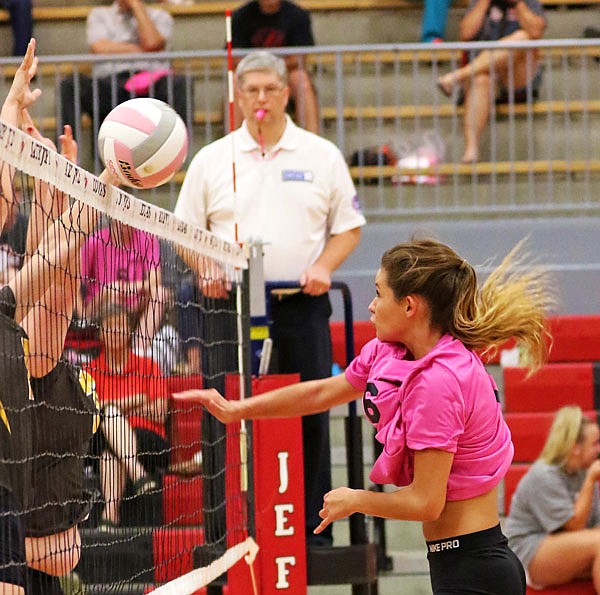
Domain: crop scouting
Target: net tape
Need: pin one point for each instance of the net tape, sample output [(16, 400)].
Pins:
[(199, 577), (23, 152)]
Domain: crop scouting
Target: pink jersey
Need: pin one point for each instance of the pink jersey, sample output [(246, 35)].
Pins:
[(103, 261), (446, 400)]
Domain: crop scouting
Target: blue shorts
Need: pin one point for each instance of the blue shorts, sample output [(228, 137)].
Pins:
[(478, 563), (12, 541)]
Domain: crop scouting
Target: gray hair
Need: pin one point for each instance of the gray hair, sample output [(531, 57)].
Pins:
[(262, 61)]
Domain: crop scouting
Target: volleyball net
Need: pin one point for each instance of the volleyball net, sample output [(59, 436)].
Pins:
[(124, 306)]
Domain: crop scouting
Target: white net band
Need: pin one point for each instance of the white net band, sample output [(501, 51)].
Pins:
[(35, 159), (200, 577)]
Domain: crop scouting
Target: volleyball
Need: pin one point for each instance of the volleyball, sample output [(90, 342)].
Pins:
[(143, 142)]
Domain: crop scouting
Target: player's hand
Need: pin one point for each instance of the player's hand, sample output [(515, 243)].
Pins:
[(20, 95), (225, 411), (212, 281), (214, 288), (593, 471), (337, 504), (68, 145), (316, 280), (108, 178)]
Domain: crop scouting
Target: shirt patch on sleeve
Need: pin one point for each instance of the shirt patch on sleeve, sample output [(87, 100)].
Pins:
[(356, 203), (297, 175)]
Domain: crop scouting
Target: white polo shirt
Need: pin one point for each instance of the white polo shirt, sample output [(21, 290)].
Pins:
[(293, 198)]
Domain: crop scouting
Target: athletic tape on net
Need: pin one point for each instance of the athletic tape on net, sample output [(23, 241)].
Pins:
[(200, 577), (23, 152)]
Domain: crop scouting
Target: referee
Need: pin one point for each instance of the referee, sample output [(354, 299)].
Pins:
[(295, 193)]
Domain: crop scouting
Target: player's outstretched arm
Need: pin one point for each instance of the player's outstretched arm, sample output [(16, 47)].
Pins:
[(47, 203), (422, 500), (303, 398), (20, 97), (45, 287), (57, 252)]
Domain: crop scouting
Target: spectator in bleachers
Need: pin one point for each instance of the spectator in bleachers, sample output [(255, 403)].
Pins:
[(435, 16), (125, 27), (21, 21), (555, 511), (179, 282), (121, 263), (494, 20), (132, 443), (274, 24)]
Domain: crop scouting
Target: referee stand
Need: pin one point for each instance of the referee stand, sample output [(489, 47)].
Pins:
[(355, 564)]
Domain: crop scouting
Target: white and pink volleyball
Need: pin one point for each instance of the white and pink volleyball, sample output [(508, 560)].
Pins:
[(143, 142)]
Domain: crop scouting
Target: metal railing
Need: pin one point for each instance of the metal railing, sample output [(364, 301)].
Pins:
[(541, 154)]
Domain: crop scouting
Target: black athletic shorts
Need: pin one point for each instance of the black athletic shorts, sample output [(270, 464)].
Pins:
[(478, 563), (12, 541)]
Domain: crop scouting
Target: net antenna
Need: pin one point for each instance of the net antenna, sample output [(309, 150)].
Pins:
[(231, 98)]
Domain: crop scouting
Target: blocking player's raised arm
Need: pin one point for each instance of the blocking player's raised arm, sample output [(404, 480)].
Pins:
[(20, 96)]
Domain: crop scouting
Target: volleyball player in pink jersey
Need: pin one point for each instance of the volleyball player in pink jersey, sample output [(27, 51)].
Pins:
[(434, 406)]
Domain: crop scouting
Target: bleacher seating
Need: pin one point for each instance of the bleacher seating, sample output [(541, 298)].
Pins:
[(530, 403), (552, 386), (576, 339), (182, 500), (529, 431), (364, 331), (49, 10)]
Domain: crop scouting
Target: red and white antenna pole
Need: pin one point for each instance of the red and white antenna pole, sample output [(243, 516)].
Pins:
[(231, 99)]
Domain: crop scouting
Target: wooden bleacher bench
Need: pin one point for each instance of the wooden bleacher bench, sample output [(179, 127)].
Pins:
[(387, 172), (389, 112), (218, 7), (482, 168), (444, 110)]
